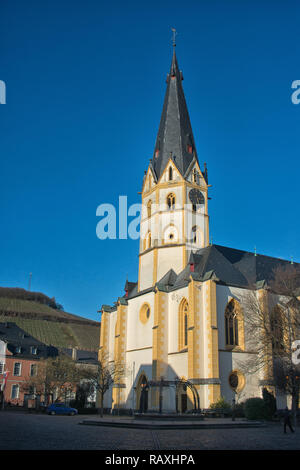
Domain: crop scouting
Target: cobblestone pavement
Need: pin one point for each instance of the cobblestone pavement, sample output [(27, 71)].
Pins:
[(21, 431)]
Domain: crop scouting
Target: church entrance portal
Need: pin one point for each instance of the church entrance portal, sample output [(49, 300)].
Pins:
[(143, 395)]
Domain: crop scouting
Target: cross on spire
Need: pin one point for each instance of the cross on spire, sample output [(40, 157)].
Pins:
[(174, 36)]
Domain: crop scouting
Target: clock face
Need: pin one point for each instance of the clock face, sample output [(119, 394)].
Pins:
[(196, 197)]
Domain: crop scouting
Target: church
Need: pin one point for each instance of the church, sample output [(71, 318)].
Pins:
[(180, 327)]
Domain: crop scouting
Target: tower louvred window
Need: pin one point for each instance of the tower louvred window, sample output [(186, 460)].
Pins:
[(171, 201)]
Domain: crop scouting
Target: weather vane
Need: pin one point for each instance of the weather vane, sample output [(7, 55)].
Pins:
[(174, 36)]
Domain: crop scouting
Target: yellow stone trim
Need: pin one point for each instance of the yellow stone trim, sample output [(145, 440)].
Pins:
[(104, 337), (214, 391), (119, 352), (155, 258)]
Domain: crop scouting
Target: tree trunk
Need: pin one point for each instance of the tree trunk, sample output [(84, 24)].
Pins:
[(294, 409)]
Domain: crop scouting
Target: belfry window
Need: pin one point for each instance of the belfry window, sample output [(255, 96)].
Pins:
[(171, 201), (147, 241)]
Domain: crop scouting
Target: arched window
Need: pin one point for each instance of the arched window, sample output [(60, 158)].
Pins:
[(232, 323), (195, 176), (183, 324), (277, 329), (149, 204), (170, 173), (147, 241), (171, 201)]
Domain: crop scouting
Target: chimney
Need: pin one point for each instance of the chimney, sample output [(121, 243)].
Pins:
[(74, 354)]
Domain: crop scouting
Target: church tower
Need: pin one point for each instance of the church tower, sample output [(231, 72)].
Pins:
[(174, 219)]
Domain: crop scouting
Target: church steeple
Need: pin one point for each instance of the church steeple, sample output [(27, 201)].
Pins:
[(175, 136), (174, 219)]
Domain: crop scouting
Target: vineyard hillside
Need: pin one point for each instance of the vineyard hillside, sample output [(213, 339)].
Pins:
[(50, 325)]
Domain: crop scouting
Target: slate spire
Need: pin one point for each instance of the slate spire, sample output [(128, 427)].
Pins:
[(175, 136)]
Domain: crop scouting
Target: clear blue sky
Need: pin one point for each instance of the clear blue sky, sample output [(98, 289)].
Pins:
[(85, 87)]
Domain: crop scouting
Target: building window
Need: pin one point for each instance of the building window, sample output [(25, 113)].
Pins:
[(17, 369), (18, 349), (236, 381), (33, 350), (232, 323), (1, 367), (15, 390), (147, 241), (277, 329), (171, 201), (170, 173), (33, 370), (145, 313), (195, 176), (194, 235), (183, 324)]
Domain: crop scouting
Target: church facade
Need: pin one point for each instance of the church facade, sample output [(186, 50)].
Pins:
[(180, 327)]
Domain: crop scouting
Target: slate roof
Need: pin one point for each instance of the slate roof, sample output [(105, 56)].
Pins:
[(82, 356), (15, 337), (175, 131), (227, 266)]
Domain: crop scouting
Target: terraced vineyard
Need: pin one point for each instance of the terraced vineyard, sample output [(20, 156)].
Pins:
[(52, 327)]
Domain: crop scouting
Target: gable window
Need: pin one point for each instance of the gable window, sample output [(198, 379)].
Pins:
[(170, 173), (17, 369), (171, 201)]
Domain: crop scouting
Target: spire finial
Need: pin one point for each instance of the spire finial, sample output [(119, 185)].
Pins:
[(174, 36)]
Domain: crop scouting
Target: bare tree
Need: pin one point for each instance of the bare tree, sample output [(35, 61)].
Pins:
[(109, 373), (55, 376), (272, 321)]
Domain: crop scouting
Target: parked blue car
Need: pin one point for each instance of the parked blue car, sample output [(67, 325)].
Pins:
[(61, 409)]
